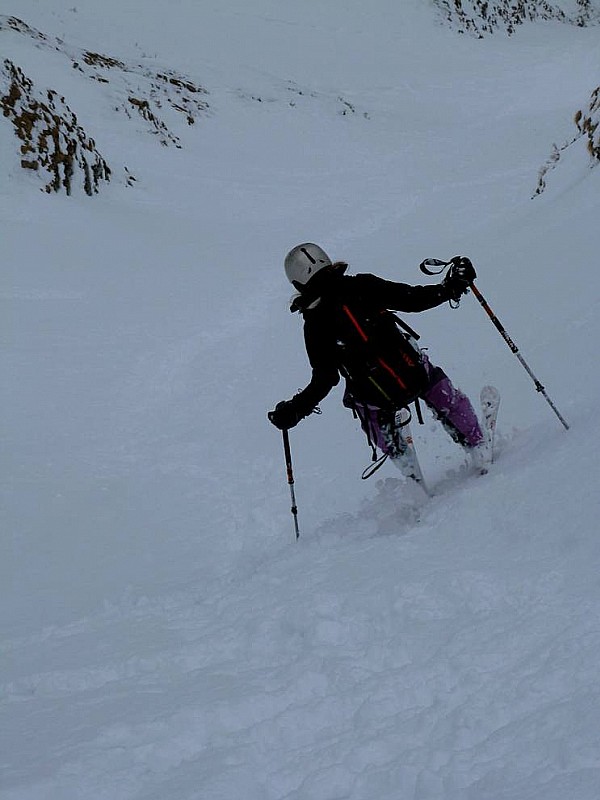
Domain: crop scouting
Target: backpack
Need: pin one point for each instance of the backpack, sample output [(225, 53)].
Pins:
[(381, 365)]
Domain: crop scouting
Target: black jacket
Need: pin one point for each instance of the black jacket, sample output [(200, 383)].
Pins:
[(322, 323)]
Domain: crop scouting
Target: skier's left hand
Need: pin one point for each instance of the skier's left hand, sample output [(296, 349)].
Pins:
[(285, 415)]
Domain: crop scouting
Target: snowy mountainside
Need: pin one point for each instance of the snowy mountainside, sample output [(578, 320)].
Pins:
[(477, 18), (162, 635), (483, 18), (52, 142)]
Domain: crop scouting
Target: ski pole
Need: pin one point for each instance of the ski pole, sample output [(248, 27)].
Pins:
[(515, 350), (436, 263), (290, 478)]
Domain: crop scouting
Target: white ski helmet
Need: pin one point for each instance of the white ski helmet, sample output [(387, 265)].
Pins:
[(303, 262)]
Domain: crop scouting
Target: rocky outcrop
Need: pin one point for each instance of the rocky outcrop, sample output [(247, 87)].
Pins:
[(587, 123), (483, 17), (52, 142)]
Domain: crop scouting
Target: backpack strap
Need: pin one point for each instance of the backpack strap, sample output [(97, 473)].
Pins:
[(405, 327), (414, 335), (382, 363)]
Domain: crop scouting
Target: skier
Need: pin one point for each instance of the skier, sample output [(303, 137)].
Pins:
[(349, 330)]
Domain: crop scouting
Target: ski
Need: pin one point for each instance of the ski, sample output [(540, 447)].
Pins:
[(403, 453), (406, 459), (411, 467), (490, 403)]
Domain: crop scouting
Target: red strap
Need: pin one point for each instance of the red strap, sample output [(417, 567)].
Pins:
[(365, 338)]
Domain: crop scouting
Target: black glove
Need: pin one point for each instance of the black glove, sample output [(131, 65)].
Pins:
[(285, 415), (459, 277)]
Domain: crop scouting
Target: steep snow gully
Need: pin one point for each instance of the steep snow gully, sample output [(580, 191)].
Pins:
[(163, 635)]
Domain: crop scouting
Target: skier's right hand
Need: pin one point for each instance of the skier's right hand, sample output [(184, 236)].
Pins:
[(459, 277), (285, 415), (463, 269)]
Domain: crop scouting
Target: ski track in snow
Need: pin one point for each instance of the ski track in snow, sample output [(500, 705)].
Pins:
[(414, 638), (164, 636)]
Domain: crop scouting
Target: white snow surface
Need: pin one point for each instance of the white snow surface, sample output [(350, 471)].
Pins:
[(163, 635)]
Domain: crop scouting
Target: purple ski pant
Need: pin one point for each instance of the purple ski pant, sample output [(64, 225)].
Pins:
[(448, 404)]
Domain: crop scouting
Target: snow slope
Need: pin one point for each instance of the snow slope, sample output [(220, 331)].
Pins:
[(163, 636)]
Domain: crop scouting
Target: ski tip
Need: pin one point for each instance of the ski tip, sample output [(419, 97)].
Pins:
[(490, 395)]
